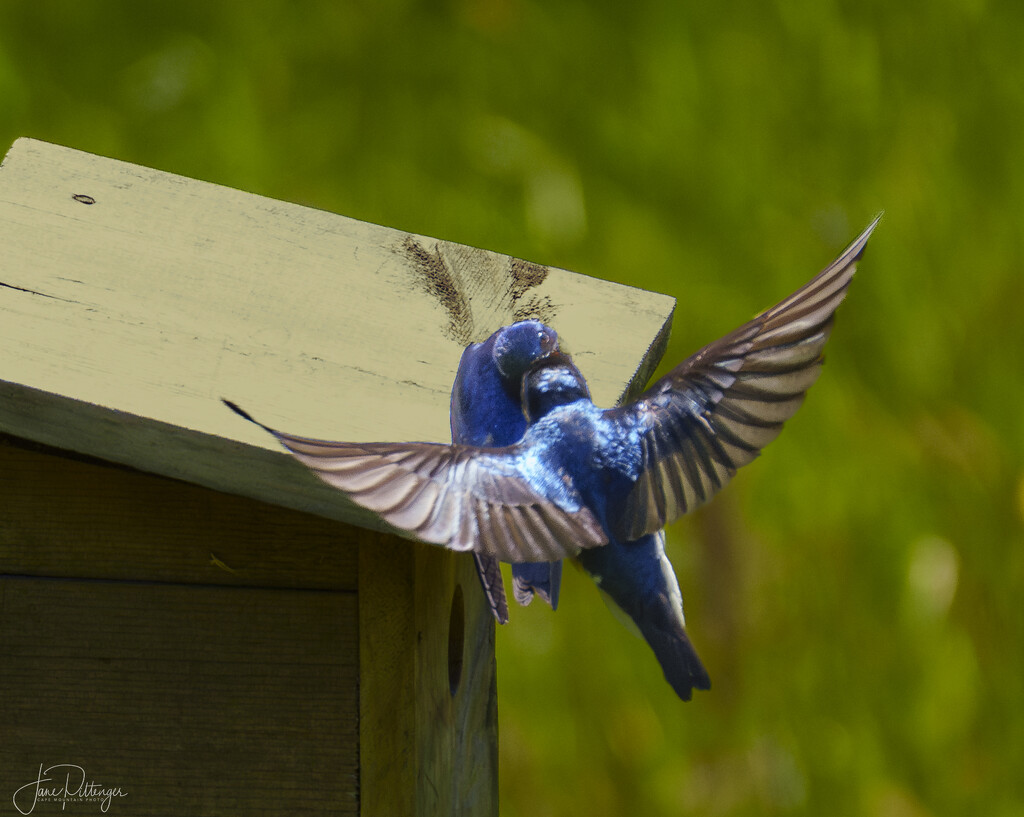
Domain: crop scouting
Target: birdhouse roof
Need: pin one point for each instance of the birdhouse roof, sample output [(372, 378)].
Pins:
[(132, 300)]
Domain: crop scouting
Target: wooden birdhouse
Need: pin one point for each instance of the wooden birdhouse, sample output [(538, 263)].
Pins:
[(191, 623)]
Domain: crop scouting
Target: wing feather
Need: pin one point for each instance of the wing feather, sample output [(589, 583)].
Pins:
[(714, 412), (460, 497)]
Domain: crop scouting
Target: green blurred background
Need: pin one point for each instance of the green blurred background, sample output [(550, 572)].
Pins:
[(856, 593)]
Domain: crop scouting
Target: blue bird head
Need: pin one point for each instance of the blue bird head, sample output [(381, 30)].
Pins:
[(551, 382), (519, 346)]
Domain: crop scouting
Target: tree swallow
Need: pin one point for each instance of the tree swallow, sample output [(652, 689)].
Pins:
[(601, 484), (487, 411)]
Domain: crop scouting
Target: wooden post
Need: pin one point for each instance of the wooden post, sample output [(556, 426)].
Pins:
[(187, 616)]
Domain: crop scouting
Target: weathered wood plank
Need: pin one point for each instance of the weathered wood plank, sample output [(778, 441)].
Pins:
[(457, 693), (428, 736), (387, 682), (154, 658), (191, 699), (59, 517), (133, 299)]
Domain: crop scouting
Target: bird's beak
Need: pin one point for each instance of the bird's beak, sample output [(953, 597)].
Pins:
[(553, 358), (548, 344)]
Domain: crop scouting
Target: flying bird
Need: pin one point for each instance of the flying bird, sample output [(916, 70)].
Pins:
[(487, 411), (636, 575), (601, 484)]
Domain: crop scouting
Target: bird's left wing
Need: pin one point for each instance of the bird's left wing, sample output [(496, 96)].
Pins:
[(716, 410), (460, 497)]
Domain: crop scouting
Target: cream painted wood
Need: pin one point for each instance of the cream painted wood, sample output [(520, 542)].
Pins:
[(132, 299)]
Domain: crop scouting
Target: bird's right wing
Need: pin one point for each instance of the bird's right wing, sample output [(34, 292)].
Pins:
[(717, 409), (460, 497)]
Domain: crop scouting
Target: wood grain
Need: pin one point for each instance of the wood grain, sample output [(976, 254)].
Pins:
[(426, 749), (65, 518), (191, 699), (174, 654)]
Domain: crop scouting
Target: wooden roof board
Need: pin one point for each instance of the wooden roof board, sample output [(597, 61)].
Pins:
[(132, 299)]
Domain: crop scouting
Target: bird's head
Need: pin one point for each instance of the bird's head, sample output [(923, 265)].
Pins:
[(551, 382), (519, 346)]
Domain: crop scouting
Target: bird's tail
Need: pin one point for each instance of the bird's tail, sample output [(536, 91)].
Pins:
[(675, 652), (639, 579), (542, 578)]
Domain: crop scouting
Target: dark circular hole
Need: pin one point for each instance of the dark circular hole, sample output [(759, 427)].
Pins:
[(456, 639)]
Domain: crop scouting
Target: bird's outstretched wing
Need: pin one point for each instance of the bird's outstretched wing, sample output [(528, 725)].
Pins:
[(460, 497), (716, 410)]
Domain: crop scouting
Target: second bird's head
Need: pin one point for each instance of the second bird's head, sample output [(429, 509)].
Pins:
[(552, 381)]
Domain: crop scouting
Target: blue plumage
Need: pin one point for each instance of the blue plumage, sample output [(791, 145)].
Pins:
[(487, 411), (600, 454)]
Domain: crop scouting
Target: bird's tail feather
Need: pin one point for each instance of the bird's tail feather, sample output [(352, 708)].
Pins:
[(542, 578), (678, 658)]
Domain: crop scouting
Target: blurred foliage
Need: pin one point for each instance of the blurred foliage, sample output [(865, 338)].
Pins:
[(856, 592)]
